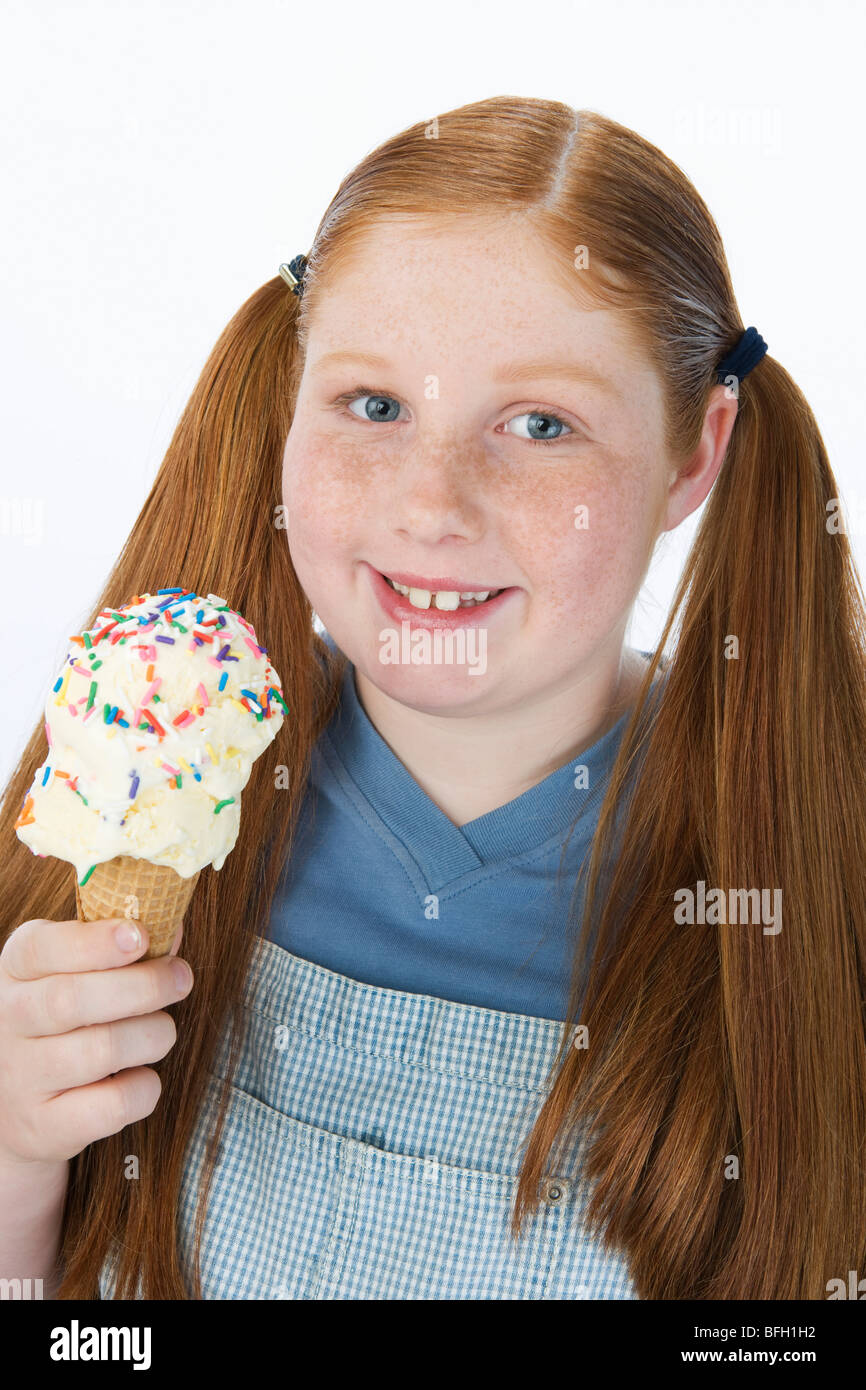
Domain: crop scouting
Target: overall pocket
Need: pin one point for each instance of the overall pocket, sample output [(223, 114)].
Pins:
[(297, 1212)]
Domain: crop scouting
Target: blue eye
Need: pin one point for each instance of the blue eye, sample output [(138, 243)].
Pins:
[(377, 414), (391, 411), (533, 416)]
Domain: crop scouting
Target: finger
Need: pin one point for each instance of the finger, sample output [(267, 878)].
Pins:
[(90, 1054), (77, 1118), (61, 1003), (40, 947)]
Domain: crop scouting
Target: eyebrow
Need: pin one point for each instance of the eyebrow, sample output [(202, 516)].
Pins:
[(555, 367), (508, 374)]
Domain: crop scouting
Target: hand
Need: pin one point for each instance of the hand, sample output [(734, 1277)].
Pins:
[(76, 1033)]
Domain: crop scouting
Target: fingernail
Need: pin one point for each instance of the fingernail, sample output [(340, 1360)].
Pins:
[(127, 936), (182, 975)]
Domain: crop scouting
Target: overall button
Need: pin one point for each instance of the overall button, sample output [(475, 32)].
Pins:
[(554, 1191)]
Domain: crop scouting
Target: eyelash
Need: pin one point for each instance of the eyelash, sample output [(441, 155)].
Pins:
[(342, 402)]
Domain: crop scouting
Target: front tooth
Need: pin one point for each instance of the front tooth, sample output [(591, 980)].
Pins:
[(420, 598), (447, 599)]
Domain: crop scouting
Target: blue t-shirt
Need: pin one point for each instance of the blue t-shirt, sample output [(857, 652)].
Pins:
[(381, 886)]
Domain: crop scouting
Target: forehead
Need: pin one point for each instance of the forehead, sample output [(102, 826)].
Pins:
[(469, 295), (480, 271)]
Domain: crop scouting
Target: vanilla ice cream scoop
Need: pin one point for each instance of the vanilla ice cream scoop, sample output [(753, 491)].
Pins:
[(153, 726)]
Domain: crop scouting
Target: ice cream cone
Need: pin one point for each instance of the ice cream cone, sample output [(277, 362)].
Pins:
[(153, 894), (153, 724)]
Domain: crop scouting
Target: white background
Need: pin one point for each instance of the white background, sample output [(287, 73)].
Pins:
[(160, 160)]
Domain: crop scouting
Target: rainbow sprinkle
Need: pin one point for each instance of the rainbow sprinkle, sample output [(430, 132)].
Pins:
[(182, 610)]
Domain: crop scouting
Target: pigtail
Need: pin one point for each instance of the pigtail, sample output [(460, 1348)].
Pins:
[(212, 523), (723, 1091)]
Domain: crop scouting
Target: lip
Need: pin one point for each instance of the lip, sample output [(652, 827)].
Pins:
[(399, 609), (439, 584)]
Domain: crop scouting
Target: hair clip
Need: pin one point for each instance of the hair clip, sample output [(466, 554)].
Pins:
[(293, 274)]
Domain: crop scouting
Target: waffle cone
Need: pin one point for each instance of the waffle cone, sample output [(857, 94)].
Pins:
[(154, 894)]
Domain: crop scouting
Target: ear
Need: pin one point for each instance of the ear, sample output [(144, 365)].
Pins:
[(691, 482)]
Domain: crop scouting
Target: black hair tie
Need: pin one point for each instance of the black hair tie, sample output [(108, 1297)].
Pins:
[(746, 355)]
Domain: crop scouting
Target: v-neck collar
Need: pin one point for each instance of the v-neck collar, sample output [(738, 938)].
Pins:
[(442, 850)]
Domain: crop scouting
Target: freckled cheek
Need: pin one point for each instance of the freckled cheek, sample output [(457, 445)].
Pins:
[(584, 535), (324, 495)]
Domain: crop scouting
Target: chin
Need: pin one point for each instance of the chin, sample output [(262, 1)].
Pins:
[(431, 687)]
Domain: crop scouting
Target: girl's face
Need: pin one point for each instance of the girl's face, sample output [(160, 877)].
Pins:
[(437, 470)]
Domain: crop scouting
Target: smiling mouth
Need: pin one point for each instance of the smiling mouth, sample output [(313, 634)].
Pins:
[(446, 600)]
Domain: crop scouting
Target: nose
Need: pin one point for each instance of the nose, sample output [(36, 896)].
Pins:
[(437, 494)]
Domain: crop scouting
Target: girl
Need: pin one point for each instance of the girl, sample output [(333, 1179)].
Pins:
[(511, 360)]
